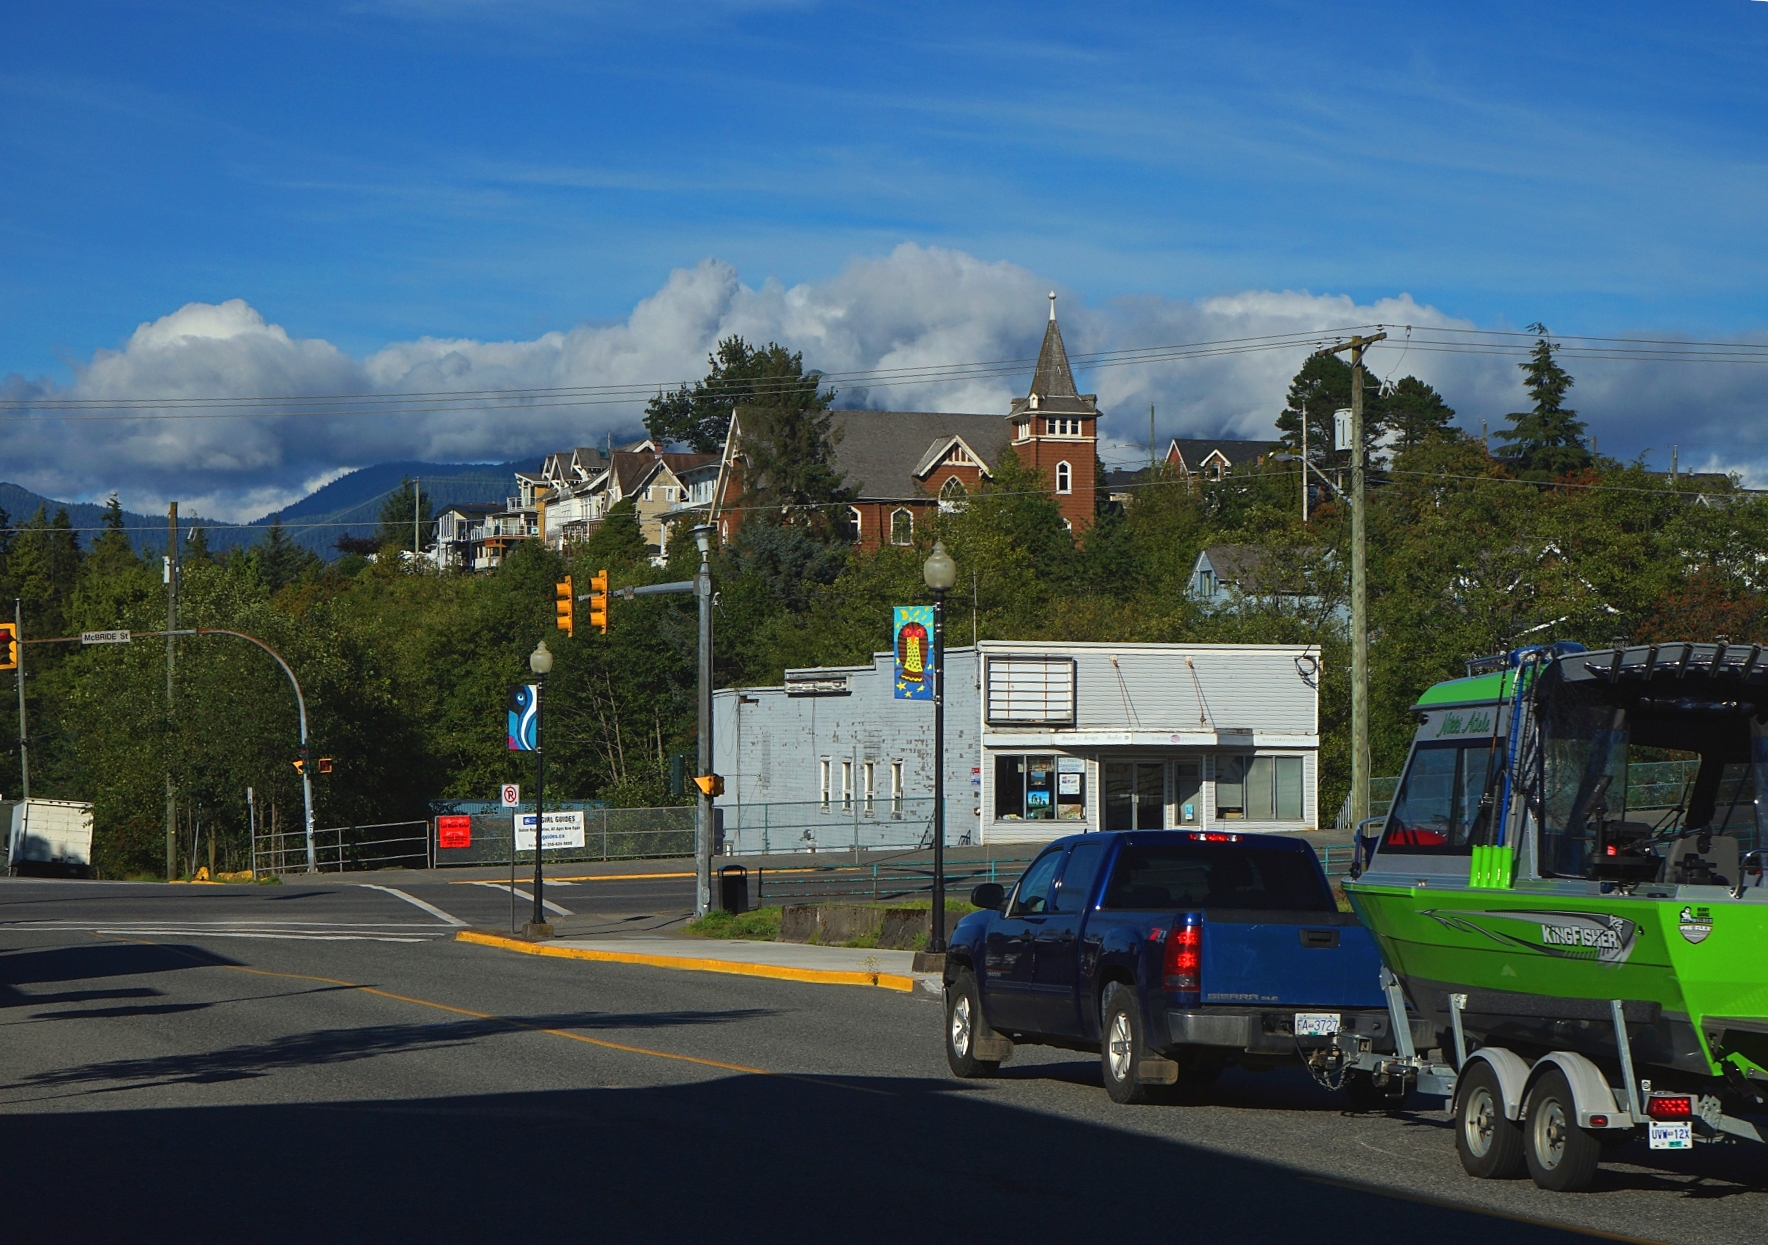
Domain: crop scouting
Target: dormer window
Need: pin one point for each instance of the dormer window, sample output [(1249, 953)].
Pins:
[(1032, 402)]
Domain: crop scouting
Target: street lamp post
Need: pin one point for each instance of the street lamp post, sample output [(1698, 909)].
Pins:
[(941, 573), (703, 806), (540, 661)]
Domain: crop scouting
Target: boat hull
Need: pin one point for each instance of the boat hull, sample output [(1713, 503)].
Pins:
[(1541, 968)]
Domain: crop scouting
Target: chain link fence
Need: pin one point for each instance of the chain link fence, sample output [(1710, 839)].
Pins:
[(608, 834), (838, 825)]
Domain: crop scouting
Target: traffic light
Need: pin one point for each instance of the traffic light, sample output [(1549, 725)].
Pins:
[(566, 605), (598, 600), (8, 648), (301, 765), (325, 765), (710, 784)]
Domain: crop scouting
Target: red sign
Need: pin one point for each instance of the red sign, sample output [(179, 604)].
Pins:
[(454, 831)]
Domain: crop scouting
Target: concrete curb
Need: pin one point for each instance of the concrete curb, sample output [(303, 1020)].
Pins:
[(780, 972)]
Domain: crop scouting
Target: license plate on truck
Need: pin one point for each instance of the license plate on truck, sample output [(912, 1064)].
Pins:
[(1316, 1024), (1672, 1136)]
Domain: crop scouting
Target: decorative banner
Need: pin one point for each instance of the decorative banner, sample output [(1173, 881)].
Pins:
[(912, 641), (454, 830), (562, 830), (524, 701)]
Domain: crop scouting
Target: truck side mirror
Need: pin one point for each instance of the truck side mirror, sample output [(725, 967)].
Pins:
[(988, 895)]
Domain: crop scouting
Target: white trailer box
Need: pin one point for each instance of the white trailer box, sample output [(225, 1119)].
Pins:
[(52, 837)]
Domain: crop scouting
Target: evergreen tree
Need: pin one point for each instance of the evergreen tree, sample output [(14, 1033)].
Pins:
[(112, 552), (1322, 386), (405, 519), (196, 548), (45, 565), (1416, 413), (279, 561), (738, 375), (788, 468), (616, 541), (1547, 441)]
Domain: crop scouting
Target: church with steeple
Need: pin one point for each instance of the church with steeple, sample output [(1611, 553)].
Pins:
[(906, 464)]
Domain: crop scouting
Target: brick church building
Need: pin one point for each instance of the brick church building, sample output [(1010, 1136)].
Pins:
[(902, 464)]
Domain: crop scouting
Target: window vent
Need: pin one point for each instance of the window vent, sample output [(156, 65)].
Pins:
[(1031, 691)]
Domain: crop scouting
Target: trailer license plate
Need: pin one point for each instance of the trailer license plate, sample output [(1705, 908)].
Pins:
[(1672, 1136), (1316, 1024)]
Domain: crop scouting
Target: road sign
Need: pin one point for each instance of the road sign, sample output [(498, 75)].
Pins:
[(512, 794), (104, 637)]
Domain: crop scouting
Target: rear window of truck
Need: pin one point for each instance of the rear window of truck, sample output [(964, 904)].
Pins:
[(1165, 876)]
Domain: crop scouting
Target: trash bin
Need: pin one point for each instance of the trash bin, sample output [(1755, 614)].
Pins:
[(733, 888)]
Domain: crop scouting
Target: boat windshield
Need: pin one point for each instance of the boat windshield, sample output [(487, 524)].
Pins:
[(1660, 765), (1437, 807)]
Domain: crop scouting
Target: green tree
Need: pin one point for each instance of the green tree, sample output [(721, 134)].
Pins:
[(738, 375), (616, 541), (406, 518), (788, 468), (45, 565), (279, 561), (1322, 386), (1416, 413), (112, 552), (1546, 441)]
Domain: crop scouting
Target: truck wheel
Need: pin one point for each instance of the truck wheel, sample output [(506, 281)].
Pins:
[(1561, 1156), (1490, 1146), (1121, 1044), (963, 1025), (1366, 1095)]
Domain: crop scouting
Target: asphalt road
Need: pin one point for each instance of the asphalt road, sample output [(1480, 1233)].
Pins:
[(304, 1062)]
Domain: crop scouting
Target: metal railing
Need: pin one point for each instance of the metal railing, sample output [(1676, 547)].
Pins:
[(608, 834), (880, 882), (342, 849), (840, 825)]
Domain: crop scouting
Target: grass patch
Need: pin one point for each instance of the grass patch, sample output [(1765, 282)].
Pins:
[(761, 925)]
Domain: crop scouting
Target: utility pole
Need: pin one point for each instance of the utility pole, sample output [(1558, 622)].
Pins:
[(1304, 460), (1359, 588), (703, 807), (417, 492), (24, 739), (171, 565), (1151, 438)]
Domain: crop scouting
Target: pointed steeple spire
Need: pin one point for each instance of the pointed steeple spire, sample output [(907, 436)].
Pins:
[(1053, 378)]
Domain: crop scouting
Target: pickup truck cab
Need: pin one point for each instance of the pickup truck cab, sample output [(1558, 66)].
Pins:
[(1168, 952)]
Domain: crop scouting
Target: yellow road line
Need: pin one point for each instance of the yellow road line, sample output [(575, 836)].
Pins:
[(464, 1011), (781, 972), (599, 877)]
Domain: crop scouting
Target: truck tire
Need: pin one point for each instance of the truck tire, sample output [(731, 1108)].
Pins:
[(1561, 1156), (1122, 1046), (1490, 1146), (1366, 1095), (963, 1025)]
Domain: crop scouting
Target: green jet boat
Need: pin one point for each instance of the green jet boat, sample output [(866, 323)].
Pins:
[(1570, 879)]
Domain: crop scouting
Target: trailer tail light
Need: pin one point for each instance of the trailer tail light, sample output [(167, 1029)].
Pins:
[(1184, 955), (1670, 1107)]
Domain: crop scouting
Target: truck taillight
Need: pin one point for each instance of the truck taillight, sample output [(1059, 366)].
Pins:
[(1184, 955), (1670, 1107)]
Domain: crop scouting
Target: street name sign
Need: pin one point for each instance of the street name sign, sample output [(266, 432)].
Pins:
[(104, 637)]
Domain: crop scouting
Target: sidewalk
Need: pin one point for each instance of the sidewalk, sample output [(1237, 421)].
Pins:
[(785, 961)]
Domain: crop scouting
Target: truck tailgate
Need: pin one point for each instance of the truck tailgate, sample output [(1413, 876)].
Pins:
[(1304, 959)]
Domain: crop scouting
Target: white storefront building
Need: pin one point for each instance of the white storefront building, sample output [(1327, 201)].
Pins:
[(1042, 739)]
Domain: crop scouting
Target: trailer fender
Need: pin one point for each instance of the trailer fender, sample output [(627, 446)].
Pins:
[(1512, 1072), (1591, 1092)]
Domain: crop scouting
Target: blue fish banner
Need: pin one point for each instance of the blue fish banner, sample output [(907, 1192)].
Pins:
[(524, 701), (912, 641)]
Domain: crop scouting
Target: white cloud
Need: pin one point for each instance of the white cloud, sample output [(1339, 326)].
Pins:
[(914, 307)]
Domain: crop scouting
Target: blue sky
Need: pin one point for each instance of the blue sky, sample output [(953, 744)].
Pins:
[(372, 173)]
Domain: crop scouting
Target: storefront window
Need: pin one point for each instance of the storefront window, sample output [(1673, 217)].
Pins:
[(1258, 788), (1188, 792), (1040, 788)]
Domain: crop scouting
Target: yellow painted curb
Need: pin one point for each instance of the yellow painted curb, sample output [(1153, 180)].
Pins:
[(822, 976)]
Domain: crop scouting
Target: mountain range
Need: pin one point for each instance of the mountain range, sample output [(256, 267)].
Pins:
[(348, 506)]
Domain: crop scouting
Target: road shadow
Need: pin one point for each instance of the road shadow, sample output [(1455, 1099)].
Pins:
[(777, 1159), (336, 1046), (95, 961)]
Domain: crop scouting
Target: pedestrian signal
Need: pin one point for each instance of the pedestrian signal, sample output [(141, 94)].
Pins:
[(325, 765), (566, 606), (598, 600), (8, 648)]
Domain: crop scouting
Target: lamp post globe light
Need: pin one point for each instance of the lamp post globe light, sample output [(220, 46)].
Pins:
[(540, 661), (941, 574)]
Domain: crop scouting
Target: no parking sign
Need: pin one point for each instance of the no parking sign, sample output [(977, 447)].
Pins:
[(512, 794)]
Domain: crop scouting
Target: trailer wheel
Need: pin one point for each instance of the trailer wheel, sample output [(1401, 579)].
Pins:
[(1121, 1044), (1561, 1156), (1490, 1146), (963, 1025)]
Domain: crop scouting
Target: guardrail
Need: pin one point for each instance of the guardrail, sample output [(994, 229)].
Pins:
[(341, 849), (852, 824)]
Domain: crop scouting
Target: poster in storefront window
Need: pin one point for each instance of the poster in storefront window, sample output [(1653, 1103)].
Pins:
[(911, 638)]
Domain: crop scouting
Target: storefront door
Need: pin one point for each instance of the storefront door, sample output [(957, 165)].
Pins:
[(1135, 795)]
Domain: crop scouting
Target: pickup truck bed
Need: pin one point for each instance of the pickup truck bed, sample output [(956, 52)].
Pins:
[(1165, 951)]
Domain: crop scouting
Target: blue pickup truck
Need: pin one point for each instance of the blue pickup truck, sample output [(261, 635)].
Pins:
[(1172, 953)]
